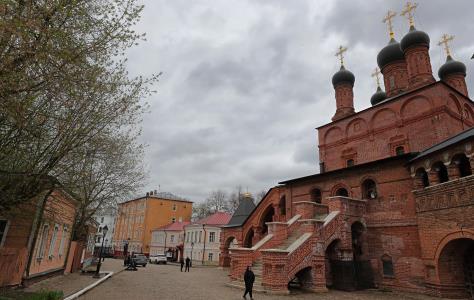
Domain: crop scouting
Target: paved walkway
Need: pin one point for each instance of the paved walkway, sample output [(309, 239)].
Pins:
[(74, 282), (166, 282)]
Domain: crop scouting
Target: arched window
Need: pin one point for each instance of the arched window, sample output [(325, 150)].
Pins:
[(399, 150), (422, 175), (282, 206), (442, 172), (463, 164), (387, 265), (316, 195), (369, 189), (342, 192)]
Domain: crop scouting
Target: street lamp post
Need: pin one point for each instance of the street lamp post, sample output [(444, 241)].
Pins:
[(192, 247), (104, 231)]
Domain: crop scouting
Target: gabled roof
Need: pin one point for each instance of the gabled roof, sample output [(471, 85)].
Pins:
[(176, 226), (218, 218), (446, 143), (245, 208)]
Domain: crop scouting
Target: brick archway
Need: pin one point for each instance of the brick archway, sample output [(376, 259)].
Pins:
[(225, 255)]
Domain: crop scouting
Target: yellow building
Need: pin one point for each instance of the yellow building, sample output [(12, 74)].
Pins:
[(136, 218)]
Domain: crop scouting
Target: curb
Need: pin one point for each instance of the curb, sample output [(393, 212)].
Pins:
[(91, 286)]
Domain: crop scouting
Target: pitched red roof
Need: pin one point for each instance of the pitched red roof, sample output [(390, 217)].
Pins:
[(218, 218), (176, 226)]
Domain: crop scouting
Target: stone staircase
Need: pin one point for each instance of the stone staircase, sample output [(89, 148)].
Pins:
[(257, 268), (290, 239)]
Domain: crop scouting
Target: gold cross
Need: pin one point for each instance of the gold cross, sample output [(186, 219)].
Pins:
[(444, 40), (340, 54), (407, 11), (376, 75), (388, 19)]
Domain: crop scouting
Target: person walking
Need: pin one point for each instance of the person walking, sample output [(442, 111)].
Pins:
[(249, 278), (182, 263), (188, 263)]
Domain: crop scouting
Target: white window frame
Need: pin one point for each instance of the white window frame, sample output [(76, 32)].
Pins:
[(172, 238), (43, 240), (52, 243), (63, 239), (5, 232), (174, 207), (212, 237), (210, 256)]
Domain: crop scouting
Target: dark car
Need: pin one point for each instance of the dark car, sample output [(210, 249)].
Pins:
[(140, 259)]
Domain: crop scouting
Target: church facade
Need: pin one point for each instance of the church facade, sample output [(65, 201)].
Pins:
[(393, 204)]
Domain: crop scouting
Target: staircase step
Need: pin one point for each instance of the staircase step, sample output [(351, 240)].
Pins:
[(241, 285)]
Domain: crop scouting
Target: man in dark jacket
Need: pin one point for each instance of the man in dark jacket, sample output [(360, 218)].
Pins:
[(181, 261), (188, 263), (249, 278)]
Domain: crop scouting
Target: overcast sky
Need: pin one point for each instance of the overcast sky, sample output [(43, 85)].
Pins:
[(245, 83)]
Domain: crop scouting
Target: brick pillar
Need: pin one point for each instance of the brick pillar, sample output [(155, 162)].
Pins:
[(257, 234), (471, 162), (453, 171), (277, 215), (319, 280), (418, 182), (433, 177)]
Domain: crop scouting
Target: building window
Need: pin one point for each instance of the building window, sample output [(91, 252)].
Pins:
[(172, 238), (187, 238), (174, 207), (212, 237), (369, 189), (422, 176), (3, 231), (399, 150), (210, 255), (350, 162), (98, 239), (173, 220), (316, 195), (102, 220), (442, 172), (43, 240), (64, 236), (342, 192), (387, 265)]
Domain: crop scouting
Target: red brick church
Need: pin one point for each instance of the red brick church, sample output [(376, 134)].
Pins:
[(393, 204)]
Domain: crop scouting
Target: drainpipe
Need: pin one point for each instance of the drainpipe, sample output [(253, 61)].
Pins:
[(34, 232), (204, 248), (164, 250)]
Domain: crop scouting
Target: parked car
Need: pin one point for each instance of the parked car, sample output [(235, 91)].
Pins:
[(158, 259), (139, 259)]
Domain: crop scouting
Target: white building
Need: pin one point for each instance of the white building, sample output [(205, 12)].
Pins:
[(201, 242), (105, 218), (168, 240)]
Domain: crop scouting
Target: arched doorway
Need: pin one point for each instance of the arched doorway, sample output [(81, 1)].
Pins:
[(369, 189), (303, 280), (363, 275), (230, 243), (422, 177), (332, 258), (248, 241), (267, 217), (456, 266), (463, 164)]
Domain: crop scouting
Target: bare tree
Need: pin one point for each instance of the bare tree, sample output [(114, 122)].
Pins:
[(63, 86), (217, 201), (260, 195), (234, 199)]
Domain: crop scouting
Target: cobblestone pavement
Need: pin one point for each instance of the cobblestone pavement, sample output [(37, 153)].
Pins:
[(74, 282), (166, 282)]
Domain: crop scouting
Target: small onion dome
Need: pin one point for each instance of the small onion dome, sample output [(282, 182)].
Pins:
[(390, 53), (378, 97), (415, 37), (342, 76), (451, 66)]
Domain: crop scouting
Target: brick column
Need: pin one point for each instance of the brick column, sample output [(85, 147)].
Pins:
[(453, 171), (471, 162), (433, 177), (305, 208), (257, 234), (277, 215), (319, 280), (274, 270)]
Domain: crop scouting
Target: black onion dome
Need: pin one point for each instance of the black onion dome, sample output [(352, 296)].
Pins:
[(343, 75), (415, 37), (378, 97), (390, 53), (451, 66)]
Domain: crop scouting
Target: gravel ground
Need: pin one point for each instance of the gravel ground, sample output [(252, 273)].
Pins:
[(167, 282)]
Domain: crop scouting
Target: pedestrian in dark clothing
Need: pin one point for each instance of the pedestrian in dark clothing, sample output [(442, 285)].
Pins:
[(182, 264), (249, 278), (188, 263)]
